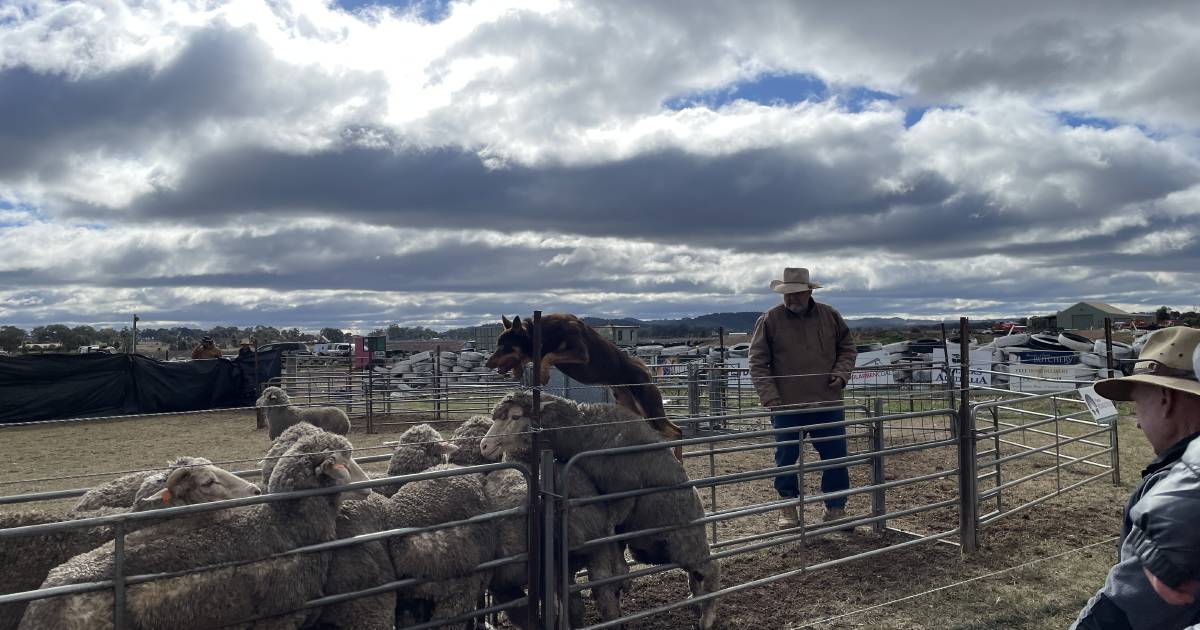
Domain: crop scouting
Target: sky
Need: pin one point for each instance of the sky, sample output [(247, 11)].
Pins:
[(308, 163)]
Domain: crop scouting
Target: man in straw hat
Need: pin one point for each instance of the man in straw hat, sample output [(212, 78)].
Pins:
[(1153, 584), (801, 354)]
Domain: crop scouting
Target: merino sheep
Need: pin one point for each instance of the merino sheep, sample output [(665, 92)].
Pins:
[(447, 557), (466, 441), (506, 489), (258, 585), (116, 493), (361, 566), (286, 440), (281, 414), (421, 447), (586, 427), (29, 559)]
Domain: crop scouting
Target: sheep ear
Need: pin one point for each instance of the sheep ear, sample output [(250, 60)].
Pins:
[(504, 320)]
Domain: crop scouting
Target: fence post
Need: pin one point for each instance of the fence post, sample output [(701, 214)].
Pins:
[(1114, 457), (968, 514), (437, 382), (538, 605), (547, 575), (878, 495), (693, 376), (715, 405), (370, 401)]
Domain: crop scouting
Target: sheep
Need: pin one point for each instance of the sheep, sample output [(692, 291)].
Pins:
[(117, 493), (361, 566), (31, 558), (586, 427), (257, 585), (284, 441), (447, 557), (506, 489), (281, 414), (27, 559), (421, 447), (466, 441)]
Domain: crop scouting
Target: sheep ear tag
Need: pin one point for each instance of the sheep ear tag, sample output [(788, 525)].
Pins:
[(335, 470)]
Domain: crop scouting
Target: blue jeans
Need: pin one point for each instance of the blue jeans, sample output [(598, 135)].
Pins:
[(833, 479)]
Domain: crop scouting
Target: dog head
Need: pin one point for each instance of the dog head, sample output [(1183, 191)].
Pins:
[(514, 348)]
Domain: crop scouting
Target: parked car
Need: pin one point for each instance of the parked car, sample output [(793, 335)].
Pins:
[(338, 350), (298, 347)]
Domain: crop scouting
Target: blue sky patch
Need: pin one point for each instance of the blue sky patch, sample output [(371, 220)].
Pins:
[(789, 89), (1076, 119), (429, 10)]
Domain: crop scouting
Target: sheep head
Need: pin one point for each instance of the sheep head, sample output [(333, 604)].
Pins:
[(318, 461), (509, 433), (192, 484), (467, 437), (271, 397)]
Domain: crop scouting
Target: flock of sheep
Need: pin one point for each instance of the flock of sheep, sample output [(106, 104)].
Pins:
[(234, 568)]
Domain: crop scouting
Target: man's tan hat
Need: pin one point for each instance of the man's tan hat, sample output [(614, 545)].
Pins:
[(245, 342), (795, 279), (1166, 361)]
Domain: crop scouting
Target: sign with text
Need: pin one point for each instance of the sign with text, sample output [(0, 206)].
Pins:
[(1103, 409), (863, 374), (1036, 371), (980, 368)]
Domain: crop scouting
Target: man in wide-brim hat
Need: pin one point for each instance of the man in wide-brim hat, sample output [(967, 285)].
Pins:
[(801, 355), (1154, 583)]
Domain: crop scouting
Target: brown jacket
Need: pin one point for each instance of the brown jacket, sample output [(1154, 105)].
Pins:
[(211, 352), (816, 345)]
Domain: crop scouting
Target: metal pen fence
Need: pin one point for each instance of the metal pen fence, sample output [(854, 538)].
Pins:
[(922, 472)]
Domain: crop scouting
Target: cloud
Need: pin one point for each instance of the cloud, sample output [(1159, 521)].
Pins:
[(298, 162)]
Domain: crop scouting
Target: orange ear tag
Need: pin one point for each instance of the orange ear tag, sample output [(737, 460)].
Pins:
[(166, 496)]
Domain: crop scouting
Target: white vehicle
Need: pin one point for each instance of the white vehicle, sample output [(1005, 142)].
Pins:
[(337, 350)]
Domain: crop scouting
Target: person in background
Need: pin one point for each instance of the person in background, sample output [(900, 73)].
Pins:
[(801, 354), (206, 349), (1154, 583), (245, 352)]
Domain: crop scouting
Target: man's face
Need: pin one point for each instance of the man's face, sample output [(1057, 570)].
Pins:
[(1150, 407), (797, 302)]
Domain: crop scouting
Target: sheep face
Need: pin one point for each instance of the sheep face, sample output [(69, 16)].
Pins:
[(272, 396), (509, 433), (318, 461), (200, 484)]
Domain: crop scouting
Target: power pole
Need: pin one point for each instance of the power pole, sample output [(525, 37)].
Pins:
[(134, 344)]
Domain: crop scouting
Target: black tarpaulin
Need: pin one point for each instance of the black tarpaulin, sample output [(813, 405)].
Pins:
[(52, 386)]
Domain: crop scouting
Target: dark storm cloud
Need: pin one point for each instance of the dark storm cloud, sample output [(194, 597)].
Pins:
[(223, 75)]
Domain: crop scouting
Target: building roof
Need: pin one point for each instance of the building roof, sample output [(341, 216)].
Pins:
[(1107, 308)]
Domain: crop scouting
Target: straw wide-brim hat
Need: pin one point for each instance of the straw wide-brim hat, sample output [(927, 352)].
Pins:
[(245, 342), (1165, 361), (795, 279)]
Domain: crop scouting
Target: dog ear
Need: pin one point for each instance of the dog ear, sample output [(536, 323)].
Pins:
[(516, 323), (504, 320)]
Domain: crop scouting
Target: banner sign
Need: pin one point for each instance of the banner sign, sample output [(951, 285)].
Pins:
[(980, 372), (864, 376), (1103, 409)]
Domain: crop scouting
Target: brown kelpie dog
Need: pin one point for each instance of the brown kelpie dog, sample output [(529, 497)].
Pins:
[(582, 354)]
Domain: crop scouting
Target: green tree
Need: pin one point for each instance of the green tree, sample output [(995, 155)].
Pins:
[(1163, 313), (292, 334), (334, 335), (11, 337)]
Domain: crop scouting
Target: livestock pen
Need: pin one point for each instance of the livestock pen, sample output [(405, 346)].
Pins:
[(930, 464)]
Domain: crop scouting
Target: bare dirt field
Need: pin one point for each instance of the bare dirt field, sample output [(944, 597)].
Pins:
[(1046, 594)]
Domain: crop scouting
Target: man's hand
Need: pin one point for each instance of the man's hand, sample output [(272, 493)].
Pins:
[(837, 381)]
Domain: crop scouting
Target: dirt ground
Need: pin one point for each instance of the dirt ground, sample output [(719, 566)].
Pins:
[(1046, 594)]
